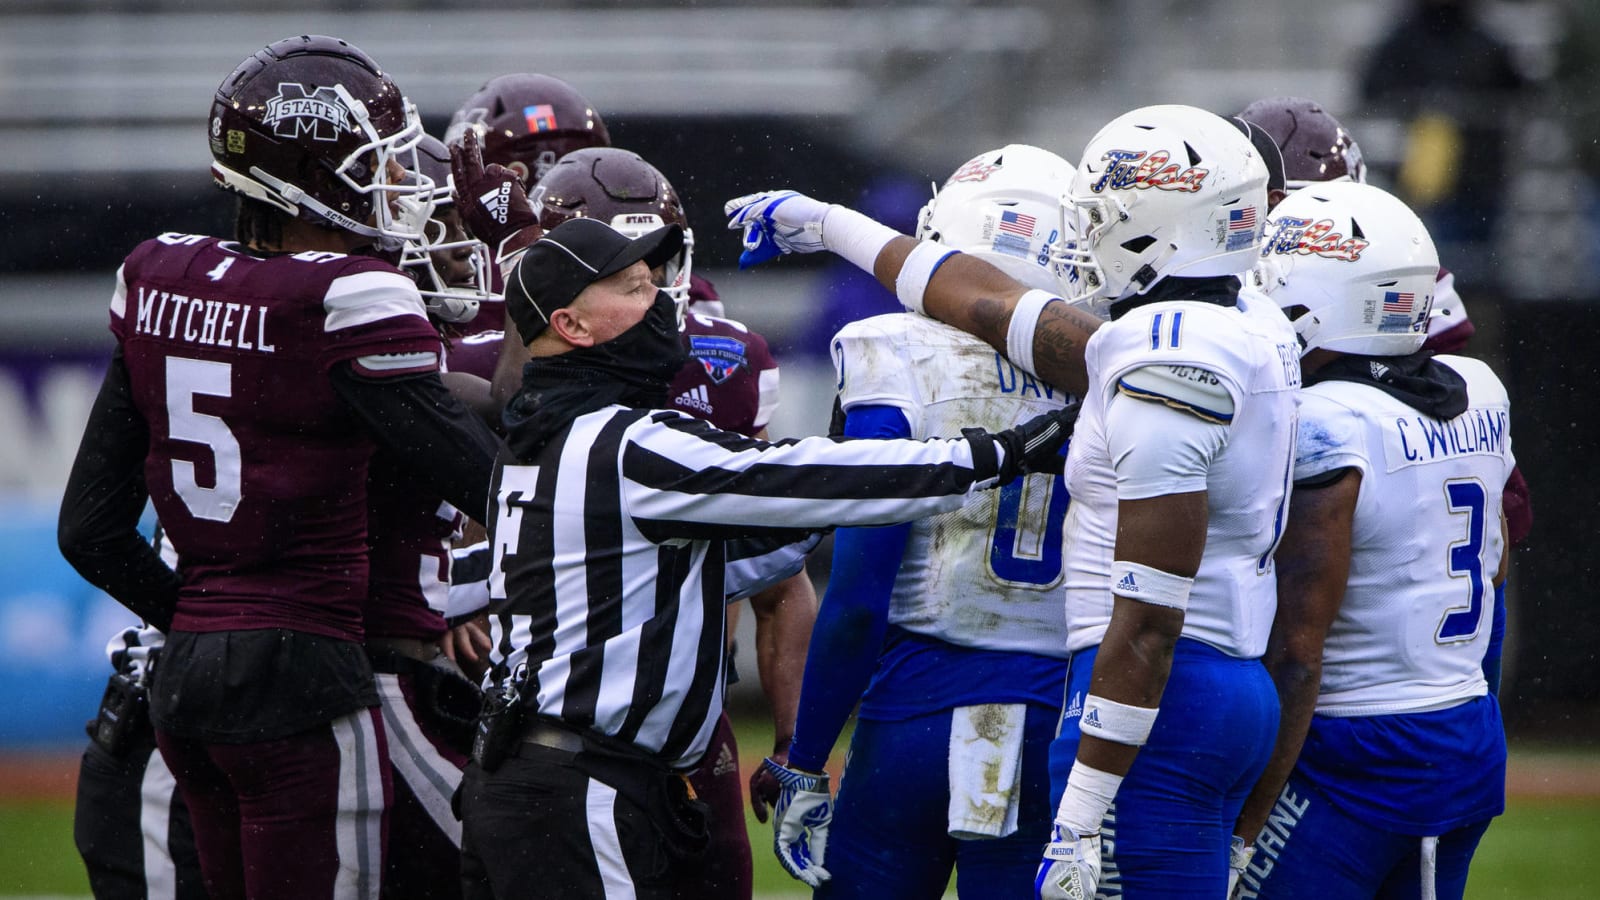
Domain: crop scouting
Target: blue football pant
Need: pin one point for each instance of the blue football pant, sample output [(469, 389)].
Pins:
[(1309, 848), (1169, 830), (890, 834)]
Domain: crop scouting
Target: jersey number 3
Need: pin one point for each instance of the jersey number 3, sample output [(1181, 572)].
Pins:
[(187, 378), (1466, 561)]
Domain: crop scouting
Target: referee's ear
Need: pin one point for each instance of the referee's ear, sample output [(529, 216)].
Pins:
[(570, 327)]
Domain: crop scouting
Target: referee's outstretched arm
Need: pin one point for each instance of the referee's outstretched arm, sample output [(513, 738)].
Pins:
[(681, 478)]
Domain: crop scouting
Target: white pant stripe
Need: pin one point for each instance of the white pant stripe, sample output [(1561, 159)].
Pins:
[(155, 819), (601, 801), (431, 777), (359, 829)]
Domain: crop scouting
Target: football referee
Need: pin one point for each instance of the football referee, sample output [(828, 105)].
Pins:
[(608, 522)]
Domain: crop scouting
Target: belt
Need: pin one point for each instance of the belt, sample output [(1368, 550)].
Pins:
[(544, 732), (410, 648)]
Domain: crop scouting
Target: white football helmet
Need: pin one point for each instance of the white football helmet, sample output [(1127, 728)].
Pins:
[(452, 270), (1353, 267), (1163, 190), (1004, 207)]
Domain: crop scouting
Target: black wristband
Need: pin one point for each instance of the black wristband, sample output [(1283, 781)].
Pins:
[(985, 455)]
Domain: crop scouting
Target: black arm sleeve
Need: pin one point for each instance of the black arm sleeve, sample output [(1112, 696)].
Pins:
[(429, 431), (98, 527)]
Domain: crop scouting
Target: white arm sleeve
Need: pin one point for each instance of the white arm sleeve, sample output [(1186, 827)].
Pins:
[(1158, 450)]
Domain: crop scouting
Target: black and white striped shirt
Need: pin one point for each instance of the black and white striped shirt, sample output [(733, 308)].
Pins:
[(610, 554)]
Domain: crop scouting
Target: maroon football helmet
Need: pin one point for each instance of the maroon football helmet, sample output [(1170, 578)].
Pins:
[(622, 190), (1315, 146), (527, 122), (310, 125)]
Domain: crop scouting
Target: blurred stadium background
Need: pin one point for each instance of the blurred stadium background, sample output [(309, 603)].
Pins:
[(102, 110)]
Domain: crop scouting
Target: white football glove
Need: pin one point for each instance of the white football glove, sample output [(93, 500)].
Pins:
[(1238, 860), (1070, 869), (776, 222), (800, 821)]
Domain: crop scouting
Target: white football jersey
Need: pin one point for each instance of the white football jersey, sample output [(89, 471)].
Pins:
[(987, 575), (1252, 350), (1412, 630)]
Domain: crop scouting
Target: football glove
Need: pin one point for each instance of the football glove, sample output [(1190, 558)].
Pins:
[(1035, 445), (493, 205), (1238, 860), (1070, 869), (764, 788), (774, 223), (800, 821)]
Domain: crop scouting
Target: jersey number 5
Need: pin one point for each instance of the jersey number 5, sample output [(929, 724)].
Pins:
[(187, 378), (1466, 497)]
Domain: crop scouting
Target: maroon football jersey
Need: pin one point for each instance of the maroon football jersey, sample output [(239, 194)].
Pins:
[(257, 471), (491, 317), (410, 530), (476, 353), (731, 380)]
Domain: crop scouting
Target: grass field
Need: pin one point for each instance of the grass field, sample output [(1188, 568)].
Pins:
[(1542, 849)]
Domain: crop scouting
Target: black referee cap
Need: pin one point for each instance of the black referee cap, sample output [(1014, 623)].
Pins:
[(572, 256)]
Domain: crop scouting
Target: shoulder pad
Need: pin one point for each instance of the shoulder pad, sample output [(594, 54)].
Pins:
[(869, 365), (1329, 435), (1191, 389)]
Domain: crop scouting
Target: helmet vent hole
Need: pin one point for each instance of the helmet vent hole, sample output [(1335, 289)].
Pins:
[(1000, 160), (1194, 158), (1355, 230), (1384, 284), (1138, 244)]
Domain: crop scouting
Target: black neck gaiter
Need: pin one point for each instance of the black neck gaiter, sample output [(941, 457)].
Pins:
[(635, 368)]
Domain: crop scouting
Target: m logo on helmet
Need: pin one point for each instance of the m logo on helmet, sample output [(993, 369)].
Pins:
[(320, 113), (1143, 169)]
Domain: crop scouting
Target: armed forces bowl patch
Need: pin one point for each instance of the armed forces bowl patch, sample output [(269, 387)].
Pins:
[(720, 356)]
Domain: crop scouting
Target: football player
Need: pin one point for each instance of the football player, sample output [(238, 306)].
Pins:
[(250, 382), (520, 124), (951, 627), (1392, 747), (527, 122), (1317, 148), (1170, 587), (428, 703)]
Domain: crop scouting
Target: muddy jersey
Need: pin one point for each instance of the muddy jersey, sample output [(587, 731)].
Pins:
[(256, 469), (989, 574), (731, 379)]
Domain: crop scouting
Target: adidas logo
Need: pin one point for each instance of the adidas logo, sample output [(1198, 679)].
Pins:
[(1091, 719), (497, 203), (1074, 708), (725, 762), (695, 398), (1379, 370), (1128, 584)]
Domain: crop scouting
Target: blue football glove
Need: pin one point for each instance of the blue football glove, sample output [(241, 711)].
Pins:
[(1070, 869), (800, 821), (775, 223)]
